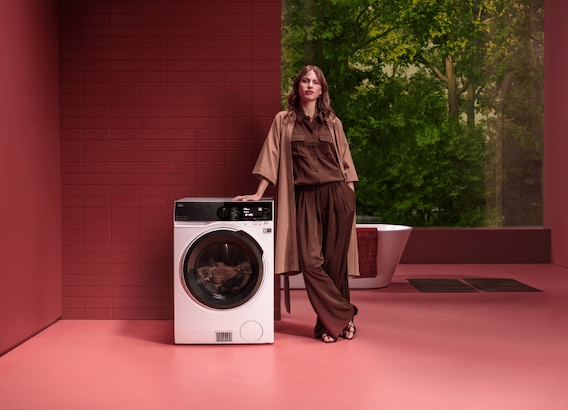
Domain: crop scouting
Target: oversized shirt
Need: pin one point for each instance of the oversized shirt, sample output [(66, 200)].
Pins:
[(275, 164)]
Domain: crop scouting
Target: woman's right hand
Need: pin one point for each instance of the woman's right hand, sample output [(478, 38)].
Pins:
[(251, 197), (262, 185)]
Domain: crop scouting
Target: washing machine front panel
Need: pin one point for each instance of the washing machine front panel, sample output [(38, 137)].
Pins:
[(223, 272), (223, 269)]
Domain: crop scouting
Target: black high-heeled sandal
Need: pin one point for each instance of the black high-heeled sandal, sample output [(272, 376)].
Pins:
[(326, 338), (349, 331)]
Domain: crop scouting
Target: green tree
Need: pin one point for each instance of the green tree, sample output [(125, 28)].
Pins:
[(416, 166), (339, 36), (406, 76), (446, 36), (513, 103)]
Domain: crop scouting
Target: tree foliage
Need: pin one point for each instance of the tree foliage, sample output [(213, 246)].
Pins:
[(513, 106), (419, 86)]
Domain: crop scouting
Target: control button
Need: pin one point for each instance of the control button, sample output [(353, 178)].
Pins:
[(223, 213)]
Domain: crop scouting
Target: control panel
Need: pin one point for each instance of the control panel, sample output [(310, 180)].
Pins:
[(188, 210)]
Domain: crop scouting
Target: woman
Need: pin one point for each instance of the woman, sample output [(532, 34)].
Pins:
[(306, 151)]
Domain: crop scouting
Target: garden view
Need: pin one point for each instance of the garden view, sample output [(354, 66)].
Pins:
[(442, 102)]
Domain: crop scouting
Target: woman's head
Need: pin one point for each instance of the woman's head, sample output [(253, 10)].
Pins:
[(323, 102)]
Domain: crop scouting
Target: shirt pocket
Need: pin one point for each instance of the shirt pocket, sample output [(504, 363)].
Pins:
[(325, 136), (298, 141), (327, 147)]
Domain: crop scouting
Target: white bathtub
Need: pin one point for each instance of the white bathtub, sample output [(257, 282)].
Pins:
[(391, 242)]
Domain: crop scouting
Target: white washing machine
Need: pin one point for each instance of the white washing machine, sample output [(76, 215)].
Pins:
[(223, 271)]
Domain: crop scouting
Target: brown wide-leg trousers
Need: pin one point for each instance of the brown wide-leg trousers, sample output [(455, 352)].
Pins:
[(324, 221)]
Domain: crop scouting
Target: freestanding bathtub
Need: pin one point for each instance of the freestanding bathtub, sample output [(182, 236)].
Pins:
[(391, 241)]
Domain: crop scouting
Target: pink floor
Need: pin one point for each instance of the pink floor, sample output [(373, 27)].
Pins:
[(413, 350)]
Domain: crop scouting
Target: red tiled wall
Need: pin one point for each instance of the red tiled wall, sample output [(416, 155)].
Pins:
[(159, 100)]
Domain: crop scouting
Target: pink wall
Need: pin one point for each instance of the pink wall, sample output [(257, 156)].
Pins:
[(160, 100), (556, 129), (30, 203)]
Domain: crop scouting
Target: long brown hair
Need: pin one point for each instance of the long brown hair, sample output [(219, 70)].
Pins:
[(323, 104)]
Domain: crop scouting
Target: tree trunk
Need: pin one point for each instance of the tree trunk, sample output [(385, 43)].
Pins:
[(308, 43), (453, 97), (470, 107), (500, 151)]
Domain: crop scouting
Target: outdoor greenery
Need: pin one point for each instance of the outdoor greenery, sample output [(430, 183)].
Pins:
[(442, 101)]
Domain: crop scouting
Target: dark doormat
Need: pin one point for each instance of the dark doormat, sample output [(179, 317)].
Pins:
[(441, 285), (500, 285)]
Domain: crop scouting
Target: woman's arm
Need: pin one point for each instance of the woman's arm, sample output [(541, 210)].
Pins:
[(262, 185)]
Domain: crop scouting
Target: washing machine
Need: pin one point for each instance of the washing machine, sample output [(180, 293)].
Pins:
[(223, 271)]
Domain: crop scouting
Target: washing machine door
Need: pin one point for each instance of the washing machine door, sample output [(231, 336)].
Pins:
[(223, 269)]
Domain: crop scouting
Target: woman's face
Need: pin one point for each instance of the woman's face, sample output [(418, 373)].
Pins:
[(309, 88)]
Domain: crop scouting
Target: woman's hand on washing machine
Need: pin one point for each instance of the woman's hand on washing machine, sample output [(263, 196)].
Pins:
[(251, 197), (262, 185)]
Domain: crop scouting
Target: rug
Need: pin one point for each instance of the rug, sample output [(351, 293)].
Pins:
[(500, 285), (441, 285)]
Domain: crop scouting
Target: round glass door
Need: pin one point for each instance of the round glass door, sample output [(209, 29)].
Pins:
[(223, 269)]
